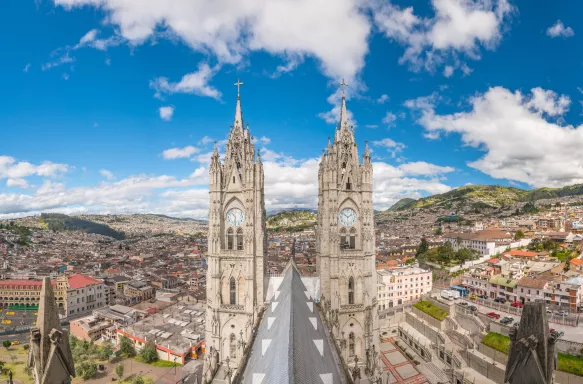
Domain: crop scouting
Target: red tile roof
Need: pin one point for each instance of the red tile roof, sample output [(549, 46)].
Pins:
[(519, 253), (80, 281), (28, 283), (576, 261)]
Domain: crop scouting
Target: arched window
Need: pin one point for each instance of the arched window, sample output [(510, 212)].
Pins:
[(230, 239), (239, 239), (233, 346), (351, 345), (348, 185), (351, 290), (352, 240), (233, 291)]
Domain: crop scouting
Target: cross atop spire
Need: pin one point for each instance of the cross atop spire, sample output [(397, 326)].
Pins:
[(238, 113), (238, 84), (342, 85)]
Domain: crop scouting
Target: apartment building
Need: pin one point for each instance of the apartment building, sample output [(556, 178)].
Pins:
[(75, 294), (565, 293), (484, 242), (84, 294), (397, 286), (532, 288), (138, 290)]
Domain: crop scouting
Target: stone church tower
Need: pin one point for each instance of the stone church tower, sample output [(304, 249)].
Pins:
[(345, 245), (237, 246)]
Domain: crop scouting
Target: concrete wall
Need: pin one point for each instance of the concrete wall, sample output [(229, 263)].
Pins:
[(570, 347), (485, 368), (567, 378), (493, 354), (469, 322), (430, 320), (499, 328), (426, 330)]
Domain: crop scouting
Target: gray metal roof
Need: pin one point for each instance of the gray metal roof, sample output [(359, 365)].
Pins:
[(291, 345)]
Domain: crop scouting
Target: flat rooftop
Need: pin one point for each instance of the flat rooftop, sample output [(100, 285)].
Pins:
[(177, 327)]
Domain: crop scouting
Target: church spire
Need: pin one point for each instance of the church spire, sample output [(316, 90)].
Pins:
[(238, 112), (343, 113)]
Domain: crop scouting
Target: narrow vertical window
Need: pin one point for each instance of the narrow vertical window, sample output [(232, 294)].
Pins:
[(233, 291), (230, 239), (351, 290), (352, 238), (239, 239), (233, 346), (351, 344)]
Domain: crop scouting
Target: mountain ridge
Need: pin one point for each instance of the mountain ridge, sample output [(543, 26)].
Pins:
[(485, 196)]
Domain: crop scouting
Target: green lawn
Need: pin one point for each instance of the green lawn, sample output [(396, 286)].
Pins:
[(570, 364), (497, 341), (432, 310), (566, 363), (159, 363)]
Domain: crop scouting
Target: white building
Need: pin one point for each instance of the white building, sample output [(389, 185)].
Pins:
[(84, 294), (397, 286)]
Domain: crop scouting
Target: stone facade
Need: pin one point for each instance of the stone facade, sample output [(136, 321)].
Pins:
[(345, 244), (237, 246)]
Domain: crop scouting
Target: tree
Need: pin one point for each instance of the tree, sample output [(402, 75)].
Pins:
[(86, 370), (519, 235), (105, 352), (119, 370), (464, 255), (6, 344), (439, 231), (126, 347), (535, 245), (422, 248), (149, 354), (138, 380)]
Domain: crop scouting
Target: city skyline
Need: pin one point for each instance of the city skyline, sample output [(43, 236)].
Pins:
[(114, 110)]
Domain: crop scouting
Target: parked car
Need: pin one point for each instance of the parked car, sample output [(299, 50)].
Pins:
[(517, 304), (500, 300), (493, 315), (517, 325), (473, 308), (463, 303), (549, 311), (473, 297), (15, 342), (506, 320), (562, 313), (485, 297)]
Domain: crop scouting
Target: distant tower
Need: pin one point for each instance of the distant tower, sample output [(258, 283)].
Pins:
[(49, 355), (237, 245), (345, 243)]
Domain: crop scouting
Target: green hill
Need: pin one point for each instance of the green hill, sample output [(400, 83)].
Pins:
[(402, 204), (485, 196), (60, 222), (291, 221)]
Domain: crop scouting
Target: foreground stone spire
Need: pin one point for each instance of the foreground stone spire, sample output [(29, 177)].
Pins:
[(50, 356), (532, 358)]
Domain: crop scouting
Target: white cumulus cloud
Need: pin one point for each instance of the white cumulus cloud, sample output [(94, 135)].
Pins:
[(456, 27), (177, 153), (166, 113), (559, 30), (523, 135)]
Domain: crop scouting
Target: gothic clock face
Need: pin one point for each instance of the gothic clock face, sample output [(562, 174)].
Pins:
[(235, 217), (347, 217)]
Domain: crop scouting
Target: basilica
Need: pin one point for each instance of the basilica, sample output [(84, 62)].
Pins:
[(291, 328)]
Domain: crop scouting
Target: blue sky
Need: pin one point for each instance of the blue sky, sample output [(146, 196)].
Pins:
[(114, 109)]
